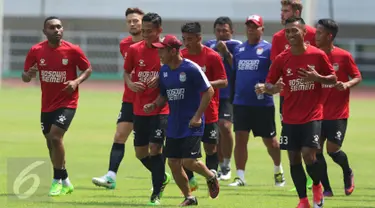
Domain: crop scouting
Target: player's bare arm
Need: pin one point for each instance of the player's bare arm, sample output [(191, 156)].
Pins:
[(220, 83), (312, 75), (134, 86), (72, 85), (342, 86), (205, 101), (223, 49), (269, 88), (153, 82), (31, 73), (160, 101)]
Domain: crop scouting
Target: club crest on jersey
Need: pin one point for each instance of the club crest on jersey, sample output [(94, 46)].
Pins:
[(335, 66), (65, 61), (141, 62), (42, 62), (259, 51), (307, 42), (286, 46), (182, 77), (289, 72)]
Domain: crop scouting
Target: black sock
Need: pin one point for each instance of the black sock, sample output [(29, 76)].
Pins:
[(146, 161), (189, 173), (341, 159), (158, 172), (212, 161), (57, 174), (315, 172), (117, 153), (299, 179), (324, 175), (64, 174)]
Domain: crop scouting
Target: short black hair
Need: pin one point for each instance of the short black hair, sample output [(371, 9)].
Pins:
[(134, 10), (48, 19), (191, 27), (223, 20), (154, 18), (330, 25), (295, 19)]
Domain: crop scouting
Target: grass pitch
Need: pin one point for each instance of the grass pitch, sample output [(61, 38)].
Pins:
[(89, 141)]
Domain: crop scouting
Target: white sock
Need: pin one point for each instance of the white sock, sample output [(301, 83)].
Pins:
[(111, 174), (278, 169), (56, 180), (226, 162), (66, 182), (241, 174)]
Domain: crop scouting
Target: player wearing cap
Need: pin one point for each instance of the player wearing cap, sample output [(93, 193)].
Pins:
[(212, 65), (336, 107), (125, 118), (225, 45), (56, 61), (290, 8), (188, 92), (251, 112), (303, 68), (143, 59)]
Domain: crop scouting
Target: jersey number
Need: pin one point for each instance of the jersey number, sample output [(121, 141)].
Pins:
[(284, 140)]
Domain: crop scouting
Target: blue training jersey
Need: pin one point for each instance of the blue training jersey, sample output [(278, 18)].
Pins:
[(231, 45), (251, 64), (183, 88)]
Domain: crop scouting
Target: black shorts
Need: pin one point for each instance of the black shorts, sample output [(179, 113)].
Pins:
[(149, 129), (189, 147), (281, 107), (225, 109), (61, 117), (295, 136), (211, 133), (126, 113), (334, 130), (259, 119)]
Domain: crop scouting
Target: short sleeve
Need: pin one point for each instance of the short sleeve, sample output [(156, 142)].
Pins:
[(200, 80), (81, 60), (352, 68), (275, 71), (325, 65), (129, 60), (30, 60)]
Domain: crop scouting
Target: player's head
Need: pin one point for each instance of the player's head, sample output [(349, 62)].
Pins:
[(326, 31), (53, 29), (290, 8), (223, 28), (191, 34), (151, 27), (254, 28), (168, 48), (295, 30), (134, 20)]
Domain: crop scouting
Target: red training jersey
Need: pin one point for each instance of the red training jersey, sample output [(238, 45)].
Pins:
[(303, 100), (280, 43), (212, 65), (57, 66), (145, 63), (128, 95), (337, 104)]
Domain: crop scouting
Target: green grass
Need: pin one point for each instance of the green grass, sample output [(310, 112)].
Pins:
[(89, 140)]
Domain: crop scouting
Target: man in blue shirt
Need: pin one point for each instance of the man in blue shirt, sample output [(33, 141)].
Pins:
[(251, 112), (225, 45), (188, 92)]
